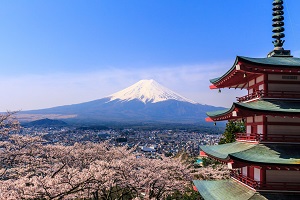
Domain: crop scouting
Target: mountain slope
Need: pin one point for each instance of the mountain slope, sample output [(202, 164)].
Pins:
[(145, 101)]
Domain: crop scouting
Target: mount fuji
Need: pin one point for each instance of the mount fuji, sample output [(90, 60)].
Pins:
[(144, 101)]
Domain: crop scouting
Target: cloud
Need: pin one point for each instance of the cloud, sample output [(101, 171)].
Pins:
[(26, 92)]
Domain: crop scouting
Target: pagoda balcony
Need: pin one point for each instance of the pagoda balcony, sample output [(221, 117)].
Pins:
[(255, 137), (269, 94), (287, 186), (244, 179), (280, 138), (252, 137), (259, 185)]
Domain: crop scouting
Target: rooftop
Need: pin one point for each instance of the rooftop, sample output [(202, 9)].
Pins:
[(273, 106), (274, 153), (230, 189)]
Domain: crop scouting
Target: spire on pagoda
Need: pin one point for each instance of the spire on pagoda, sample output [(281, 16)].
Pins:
[(278, 30), (278, 24)]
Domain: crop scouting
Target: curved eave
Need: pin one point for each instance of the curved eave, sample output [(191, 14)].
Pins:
[(273, 62), (263, 107), (251, 67), (221, 115), (222, 152), (263, 154), (272, 107), (272, 154)]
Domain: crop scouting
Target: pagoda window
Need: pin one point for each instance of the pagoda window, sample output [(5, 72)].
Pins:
[(282, 87), (280, 77), (282, 176), (283, 120), (284, 129)]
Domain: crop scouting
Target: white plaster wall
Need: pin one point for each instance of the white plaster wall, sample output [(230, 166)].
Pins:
[(252, 82), (256, 174), (260, 78), (249, 119), (248, 129), (261, 87), (260, 129), (244, 171), (258, 118)]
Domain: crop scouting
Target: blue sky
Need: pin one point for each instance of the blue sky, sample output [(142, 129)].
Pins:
[(62, 52)]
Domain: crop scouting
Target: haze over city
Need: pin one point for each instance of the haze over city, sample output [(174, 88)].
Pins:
[(64, 52)]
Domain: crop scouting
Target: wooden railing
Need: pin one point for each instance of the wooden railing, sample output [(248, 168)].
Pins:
[(256, 94), (270, 94), (244, 179), (267, 138), (280, 138), (288, 186), (248, 137)]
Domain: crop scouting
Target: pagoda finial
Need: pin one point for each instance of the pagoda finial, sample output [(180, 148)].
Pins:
[(278, 30), (278, 24)]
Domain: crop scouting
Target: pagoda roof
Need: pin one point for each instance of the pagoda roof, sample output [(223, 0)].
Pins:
[(247, 64), (231, 189), (262, 106), (273, 153), (225, 189)]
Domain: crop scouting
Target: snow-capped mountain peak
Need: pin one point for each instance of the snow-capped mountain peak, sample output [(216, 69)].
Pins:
[(147, 91)]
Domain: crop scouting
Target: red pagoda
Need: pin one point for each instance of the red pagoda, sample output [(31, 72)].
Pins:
[(265, 161)]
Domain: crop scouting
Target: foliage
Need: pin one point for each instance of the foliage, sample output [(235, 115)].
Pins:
[(232, 127)]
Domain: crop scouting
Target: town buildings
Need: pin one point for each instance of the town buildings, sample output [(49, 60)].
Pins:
[(265, 161)]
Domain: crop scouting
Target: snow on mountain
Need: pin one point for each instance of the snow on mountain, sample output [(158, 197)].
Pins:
[(148, 91)]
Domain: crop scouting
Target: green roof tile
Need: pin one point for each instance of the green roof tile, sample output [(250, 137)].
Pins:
[(222, 151), (274, 61), (271, 153), (273, 105), (230, 189), (225, 189), (291, 62), (279, 106), (258, 153)]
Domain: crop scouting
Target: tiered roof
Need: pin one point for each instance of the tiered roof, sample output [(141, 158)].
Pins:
[(263, 106), (234, 77), (220, 190), (263, 154)]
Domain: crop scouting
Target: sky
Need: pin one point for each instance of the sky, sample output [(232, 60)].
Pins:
[(63, 52)]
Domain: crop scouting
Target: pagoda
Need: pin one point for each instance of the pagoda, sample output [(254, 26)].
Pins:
[(265, 160)]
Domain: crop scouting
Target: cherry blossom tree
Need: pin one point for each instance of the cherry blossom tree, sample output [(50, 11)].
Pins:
[(31, 169)]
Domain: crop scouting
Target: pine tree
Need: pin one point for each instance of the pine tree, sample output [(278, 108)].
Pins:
[(232, 127)]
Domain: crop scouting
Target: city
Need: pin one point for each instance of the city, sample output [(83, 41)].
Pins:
[(149, 142)]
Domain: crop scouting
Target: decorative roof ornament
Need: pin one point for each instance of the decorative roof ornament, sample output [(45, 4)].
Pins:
[(278, 24), (278, 30)]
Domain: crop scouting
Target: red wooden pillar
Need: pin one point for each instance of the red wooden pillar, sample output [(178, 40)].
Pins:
[(265, 127), (263, 175)]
